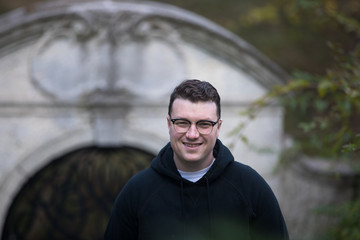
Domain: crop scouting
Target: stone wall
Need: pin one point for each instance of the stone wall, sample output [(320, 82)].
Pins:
[(99, 73)]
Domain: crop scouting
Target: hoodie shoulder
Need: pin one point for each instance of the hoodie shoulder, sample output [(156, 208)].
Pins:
[(250, 183), (164, 164), (142, 179), (245, 175)]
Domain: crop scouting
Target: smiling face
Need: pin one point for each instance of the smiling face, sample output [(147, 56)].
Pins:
[(193, 151)]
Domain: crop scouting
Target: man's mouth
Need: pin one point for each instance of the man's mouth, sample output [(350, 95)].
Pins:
[(192, 145)]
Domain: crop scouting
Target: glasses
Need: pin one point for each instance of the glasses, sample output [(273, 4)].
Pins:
[(203, 126)]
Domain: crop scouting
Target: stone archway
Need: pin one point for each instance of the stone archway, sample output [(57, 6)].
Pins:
[(72, 197), (99, 73), (62, 146)]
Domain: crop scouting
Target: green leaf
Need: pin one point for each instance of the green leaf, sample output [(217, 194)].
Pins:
[(307, 126), (244, 139), (352, 147), (323, 87), (321, 105)]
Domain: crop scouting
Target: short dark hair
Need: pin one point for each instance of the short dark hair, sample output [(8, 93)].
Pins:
[(196, 91)]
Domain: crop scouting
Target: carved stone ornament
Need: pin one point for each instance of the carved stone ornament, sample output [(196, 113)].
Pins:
[(101, 56), (105, 50)]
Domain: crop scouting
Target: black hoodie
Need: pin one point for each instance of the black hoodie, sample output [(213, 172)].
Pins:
[(231, 201)]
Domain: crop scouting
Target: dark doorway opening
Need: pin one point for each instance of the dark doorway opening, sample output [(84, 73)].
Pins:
[(72, 197)]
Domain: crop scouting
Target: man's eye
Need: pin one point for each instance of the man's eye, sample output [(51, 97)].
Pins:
[(182, 123), (204, 124)]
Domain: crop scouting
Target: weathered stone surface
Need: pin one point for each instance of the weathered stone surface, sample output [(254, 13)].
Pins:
[(312, 185), (100, 73)]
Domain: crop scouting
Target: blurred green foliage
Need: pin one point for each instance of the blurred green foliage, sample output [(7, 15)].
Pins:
[(293, 33), (322, 111), (348, 216), (349, 226)]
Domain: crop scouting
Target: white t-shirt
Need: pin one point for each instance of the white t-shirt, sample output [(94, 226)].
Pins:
[(195, 176)]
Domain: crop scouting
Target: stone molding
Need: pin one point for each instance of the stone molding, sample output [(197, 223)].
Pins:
[(103, 23)]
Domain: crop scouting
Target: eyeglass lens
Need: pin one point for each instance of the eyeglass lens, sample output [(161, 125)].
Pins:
[(203, 127)]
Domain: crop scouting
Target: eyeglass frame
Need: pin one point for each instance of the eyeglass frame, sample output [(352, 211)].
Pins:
[(173, 120)]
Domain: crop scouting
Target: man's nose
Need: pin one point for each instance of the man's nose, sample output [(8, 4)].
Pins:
[(192, 132)]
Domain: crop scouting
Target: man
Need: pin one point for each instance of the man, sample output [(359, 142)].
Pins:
[(194, 189)]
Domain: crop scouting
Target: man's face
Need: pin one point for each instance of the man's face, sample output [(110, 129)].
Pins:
[(193, 151)]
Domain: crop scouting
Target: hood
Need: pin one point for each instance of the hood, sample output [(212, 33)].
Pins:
[(164, 163)]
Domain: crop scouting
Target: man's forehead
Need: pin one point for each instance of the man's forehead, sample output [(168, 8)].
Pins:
[(179, 99), (187, 107)]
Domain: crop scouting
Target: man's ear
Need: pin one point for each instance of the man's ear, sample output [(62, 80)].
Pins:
[(219, 124), (168, 122), (218, 128)]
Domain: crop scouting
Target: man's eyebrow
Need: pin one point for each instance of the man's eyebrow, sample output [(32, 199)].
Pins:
[(201, 120)]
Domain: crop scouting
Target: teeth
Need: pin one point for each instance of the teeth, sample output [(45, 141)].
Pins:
[(192, 145)]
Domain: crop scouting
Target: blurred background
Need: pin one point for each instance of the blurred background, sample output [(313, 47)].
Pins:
[(314, 42), (295, 34)]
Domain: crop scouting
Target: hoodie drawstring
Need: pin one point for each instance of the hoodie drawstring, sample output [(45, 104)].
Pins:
[(182, 207), (209, 207)]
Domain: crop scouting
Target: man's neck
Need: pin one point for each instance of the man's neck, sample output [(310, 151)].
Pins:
[(195, 176), (193, 166)]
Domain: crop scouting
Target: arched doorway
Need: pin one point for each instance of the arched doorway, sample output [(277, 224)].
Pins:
[(72, 197), (99, 97)]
